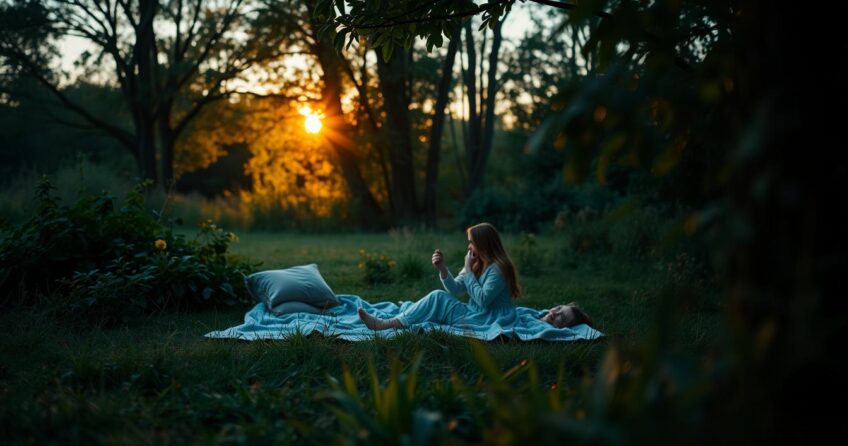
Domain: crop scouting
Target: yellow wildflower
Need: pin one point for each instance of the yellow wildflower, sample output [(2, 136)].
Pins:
[(232, 237), (392, 263), (161, 244), (361, 265), (361, 252)]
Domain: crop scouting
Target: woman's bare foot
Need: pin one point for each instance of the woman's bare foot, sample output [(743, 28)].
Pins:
[(376, 323)]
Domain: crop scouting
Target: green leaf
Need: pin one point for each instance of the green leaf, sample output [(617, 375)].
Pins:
[(228, 288), (487, 364), (338, 40), (325, 32), (379, 40), (387, 51), (349, 382), (320, 8)]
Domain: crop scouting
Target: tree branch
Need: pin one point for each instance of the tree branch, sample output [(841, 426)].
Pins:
[(128, 12), (229, 17), (274, 96), (569, 7), (191, 31), (347, 19), (203, 102), (363, 99), (117, 132)]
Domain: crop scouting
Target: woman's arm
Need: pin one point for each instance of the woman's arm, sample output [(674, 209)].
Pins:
[(455, 286), (483, 294)]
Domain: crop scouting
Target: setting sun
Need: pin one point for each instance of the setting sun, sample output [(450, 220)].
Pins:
[(313, 124), (312, 121)]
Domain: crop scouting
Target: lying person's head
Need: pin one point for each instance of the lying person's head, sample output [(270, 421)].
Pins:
[(568, 315)]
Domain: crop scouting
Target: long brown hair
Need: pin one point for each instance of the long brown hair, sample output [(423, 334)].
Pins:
[(490, 250), (580, 316)]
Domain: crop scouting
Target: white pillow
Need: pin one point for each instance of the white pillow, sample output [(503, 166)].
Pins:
[(296, 284)]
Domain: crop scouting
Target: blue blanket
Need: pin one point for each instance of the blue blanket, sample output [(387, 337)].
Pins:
[(343, 322)]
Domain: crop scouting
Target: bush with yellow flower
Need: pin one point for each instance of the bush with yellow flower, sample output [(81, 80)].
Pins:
[(376, 268), (116, 259)]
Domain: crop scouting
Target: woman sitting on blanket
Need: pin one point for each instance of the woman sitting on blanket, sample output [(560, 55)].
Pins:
[(491, 281)]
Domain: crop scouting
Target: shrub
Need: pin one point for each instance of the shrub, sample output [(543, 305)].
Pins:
[(689, 278), (410, 267), (376, 268), (521, 208), (514, 404), (637, 233), (411, 243), (590, 235), (116, 261), (528, 258), (530, 205), (395, 413), (71, 180), (591, 195), (181, 274), (495, 205)]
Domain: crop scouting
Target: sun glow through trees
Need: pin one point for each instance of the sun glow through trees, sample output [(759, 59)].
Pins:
[(312, 120)]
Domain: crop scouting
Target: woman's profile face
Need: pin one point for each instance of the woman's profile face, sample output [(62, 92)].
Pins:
[(559, 316), (471, 246)]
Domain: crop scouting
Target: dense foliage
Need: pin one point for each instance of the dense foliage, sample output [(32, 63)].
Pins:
[(116, 260)]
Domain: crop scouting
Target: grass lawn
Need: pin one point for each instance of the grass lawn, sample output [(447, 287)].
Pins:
[(158, 379)]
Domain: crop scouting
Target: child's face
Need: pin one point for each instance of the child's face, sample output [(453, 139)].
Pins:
[(559, 316)]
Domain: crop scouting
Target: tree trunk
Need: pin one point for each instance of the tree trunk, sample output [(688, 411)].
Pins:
[(478, 170), (144, 100), (572, 63), (472, 151), (457, 148), (437, 129), (338, 137), (398, 130), (167, 141), (368, 111)]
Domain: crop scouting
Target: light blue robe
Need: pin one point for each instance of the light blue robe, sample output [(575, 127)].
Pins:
[(489, 302), (488, 314)]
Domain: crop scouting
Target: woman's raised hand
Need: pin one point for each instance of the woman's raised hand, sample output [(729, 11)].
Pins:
[(439, 262), (469, 259)]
